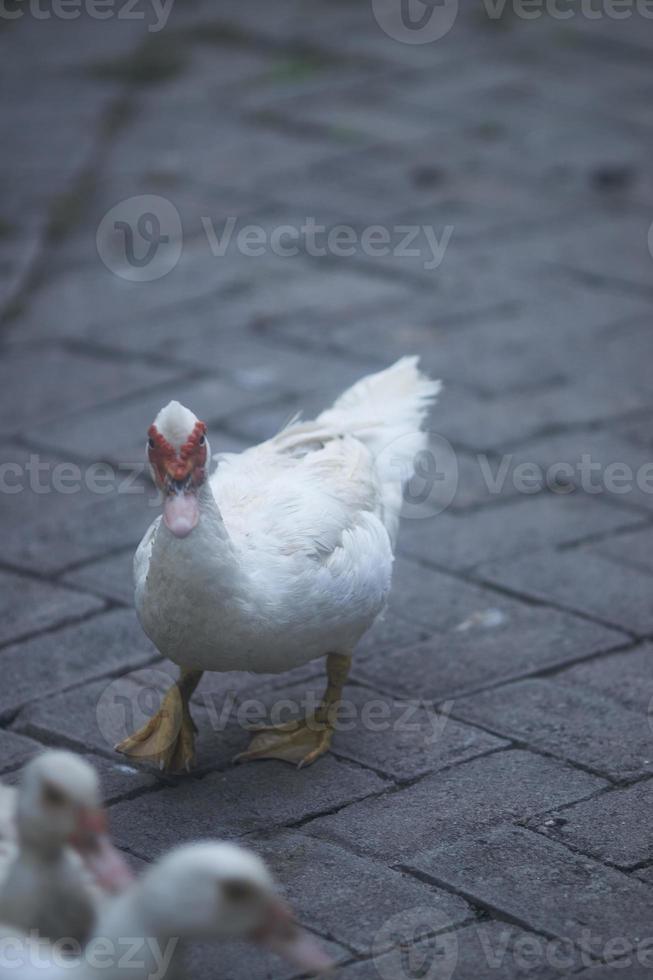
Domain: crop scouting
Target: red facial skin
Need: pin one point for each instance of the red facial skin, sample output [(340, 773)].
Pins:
[(189, 463)]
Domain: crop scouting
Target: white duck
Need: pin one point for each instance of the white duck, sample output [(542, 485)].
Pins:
[(44, 886), (282, 555), (203, 891)]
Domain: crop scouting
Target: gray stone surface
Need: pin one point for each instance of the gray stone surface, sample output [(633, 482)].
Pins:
[(351, 898), (499, 640), (105, 644), (584, 581), (626, 677), (565, 719), (243, 800), (28, 606), (524, 615), (542, 885), (525, 526), (614, 827), (488, 948), (15, 750), (504, 786)]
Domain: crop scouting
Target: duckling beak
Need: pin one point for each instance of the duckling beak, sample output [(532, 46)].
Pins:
[(283, 936), (103, 861)]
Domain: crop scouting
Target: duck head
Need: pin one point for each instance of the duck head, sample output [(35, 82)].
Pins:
[(59, 805), (215, 890), (177, 453)]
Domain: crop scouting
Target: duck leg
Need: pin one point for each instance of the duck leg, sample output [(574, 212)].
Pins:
[(302, 742), (168, 738)]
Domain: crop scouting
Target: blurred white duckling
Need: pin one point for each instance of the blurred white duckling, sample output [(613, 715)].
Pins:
[(203, 891), (282, 555), (45, 885)]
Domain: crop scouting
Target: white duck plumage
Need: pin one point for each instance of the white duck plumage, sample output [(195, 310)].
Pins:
[(203, 891), (45, 885), (285, 552)]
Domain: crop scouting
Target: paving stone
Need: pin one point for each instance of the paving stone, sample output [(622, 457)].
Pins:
[(15, 750), (253, 797), (619, 247), (244, 358), (390, 632), (505, 786), (582, 726), (613, 827), (483, 948), (57, 513), (581, 580), (111, 577), (497, 642), (350, 898), (634, 967), (626, 677), (29, 606), (40, 667), (526, 348), (125, 424), (601, 464), (116, 779), (544, 886), (634, 548), (243, 959), (525, 525), (437, 601), (46, 385)]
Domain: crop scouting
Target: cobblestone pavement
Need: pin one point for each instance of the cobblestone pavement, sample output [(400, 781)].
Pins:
[(507, 833)]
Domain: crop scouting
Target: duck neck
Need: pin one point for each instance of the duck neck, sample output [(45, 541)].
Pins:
[(209, 536), (152, 955)]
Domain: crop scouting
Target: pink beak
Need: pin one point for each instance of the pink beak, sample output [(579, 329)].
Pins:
[(181, 512), (103, 861), (283, 936)]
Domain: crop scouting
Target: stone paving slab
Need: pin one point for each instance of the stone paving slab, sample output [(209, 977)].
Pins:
[(43, 386), (350, 898), (613, 827), (505, 531), (584, 581), (246, 799), (625, 677), (231, 959), (15, 751), (487, 948), (105, 644), (496, 643), (28, 606), (568, 721), (542, 885), (633, 548), (504, 786)]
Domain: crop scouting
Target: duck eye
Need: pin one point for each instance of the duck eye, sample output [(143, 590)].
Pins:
[(150, 443), (52, 795), (202, 441), (239, 892)]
